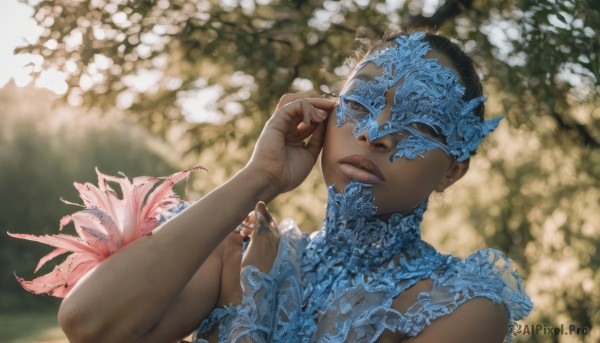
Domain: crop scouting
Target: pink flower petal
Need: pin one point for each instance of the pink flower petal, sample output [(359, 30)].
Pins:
[(66, 242), (160, 194), (64, 221), (64, 276), (51, 255), (107, 224), (98, 230), (133, 208), (107, 200)]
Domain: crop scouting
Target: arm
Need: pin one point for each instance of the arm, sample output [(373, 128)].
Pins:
[(478, 320), (191, 305), (130, 293)]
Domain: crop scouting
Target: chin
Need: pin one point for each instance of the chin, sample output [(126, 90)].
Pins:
[(339, 186), (338, 182)]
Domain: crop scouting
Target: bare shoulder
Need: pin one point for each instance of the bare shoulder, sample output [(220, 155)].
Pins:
[(477, 320)]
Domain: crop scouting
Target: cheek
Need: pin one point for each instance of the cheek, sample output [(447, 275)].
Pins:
[(415, 180), (431, 170), (332, 149), (411, 184)]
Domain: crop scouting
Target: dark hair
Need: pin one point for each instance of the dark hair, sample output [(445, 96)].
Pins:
[(461, 62)]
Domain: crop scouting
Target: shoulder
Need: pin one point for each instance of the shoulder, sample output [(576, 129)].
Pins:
[(472, 300), (489, 273), (477, 320)]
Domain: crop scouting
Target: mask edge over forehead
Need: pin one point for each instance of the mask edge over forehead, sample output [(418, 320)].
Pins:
[(440, 104)]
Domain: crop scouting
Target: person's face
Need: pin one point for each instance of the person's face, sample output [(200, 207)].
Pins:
[(399, 183)]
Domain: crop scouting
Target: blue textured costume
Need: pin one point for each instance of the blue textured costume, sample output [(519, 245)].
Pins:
[(338, 284)]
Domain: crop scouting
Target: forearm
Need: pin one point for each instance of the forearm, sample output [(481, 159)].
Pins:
[(126, 295)]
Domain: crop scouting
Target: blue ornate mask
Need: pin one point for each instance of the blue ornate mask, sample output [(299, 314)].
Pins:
[(428, 110)]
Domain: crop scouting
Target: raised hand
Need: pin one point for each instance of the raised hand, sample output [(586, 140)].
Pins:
[(283, 155), (260, 230)]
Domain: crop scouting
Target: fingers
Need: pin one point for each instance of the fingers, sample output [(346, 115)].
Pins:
[(280, 153), (307, 111), (246, 227), (320, 103), (231, 291), (264, 222), (315, 143), (287, 98), (264, 240), (261, 252)]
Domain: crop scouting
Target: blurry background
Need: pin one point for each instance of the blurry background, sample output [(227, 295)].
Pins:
[(148, 87)]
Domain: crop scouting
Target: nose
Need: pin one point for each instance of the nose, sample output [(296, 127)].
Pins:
[(382, 144)]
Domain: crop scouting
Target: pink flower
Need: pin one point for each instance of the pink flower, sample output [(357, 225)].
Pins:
[(106, 224)]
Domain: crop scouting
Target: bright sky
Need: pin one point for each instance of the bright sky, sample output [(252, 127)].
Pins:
[(16, 29)]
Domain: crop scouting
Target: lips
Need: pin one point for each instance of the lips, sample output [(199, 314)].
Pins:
[(360, 168)]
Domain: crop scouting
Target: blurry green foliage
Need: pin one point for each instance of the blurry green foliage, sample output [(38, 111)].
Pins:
[(539, 53), (42, 151), (533, 191)]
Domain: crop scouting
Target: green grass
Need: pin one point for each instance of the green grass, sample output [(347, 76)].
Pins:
[(30, 327)]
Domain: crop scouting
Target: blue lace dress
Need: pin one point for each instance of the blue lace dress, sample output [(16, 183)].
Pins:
[(338, 284)]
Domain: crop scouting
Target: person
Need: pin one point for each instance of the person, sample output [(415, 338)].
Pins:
[(405, 125)]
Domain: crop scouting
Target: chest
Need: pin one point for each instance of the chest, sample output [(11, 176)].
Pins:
[(359, 309)]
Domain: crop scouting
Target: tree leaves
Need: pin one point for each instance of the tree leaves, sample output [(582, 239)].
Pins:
[(539, 61)]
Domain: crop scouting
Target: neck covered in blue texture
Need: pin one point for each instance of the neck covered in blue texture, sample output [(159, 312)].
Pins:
[(353, 233)]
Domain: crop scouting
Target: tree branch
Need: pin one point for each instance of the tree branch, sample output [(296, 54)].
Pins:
[(583, 133), (450, 9)]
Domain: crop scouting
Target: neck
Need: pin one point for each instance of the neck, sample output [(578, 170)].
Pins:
[(353, 232)]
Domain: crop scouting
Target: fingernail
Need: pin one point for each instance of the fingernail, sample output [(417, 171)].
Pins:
[(244, 226), (321, 114), (262, 212), (265, 221)]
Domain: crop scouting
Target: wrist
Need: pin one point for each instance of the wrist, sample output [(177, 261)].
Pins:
[(261, 184)]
